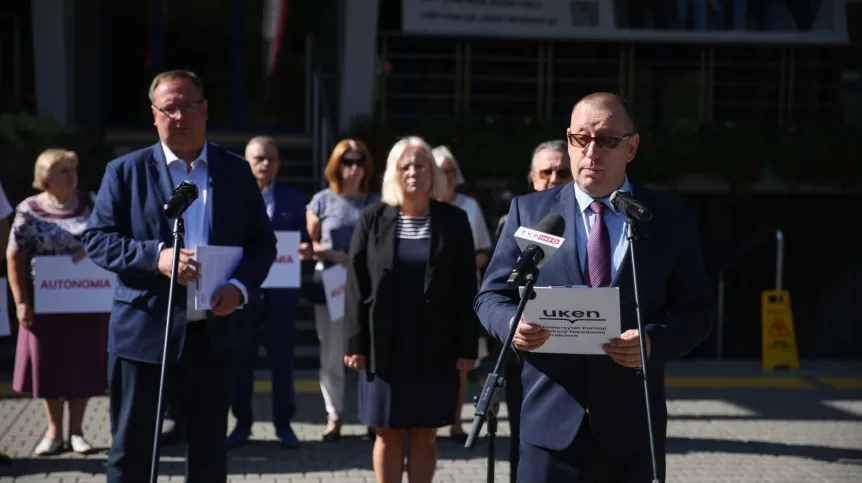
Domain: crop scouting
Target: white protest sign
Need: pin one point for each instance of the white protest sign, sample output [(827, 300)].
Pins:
[(62, 286), (4, 310), (285, 271), (580, 319), (334, 279)]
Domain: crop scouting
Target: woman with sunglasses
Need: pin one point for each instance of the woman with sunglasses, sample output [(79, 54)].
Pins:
[(331, 216)]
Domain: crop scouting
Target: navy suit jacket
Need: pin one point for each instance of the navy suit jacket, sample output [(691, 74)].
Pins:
[(127, 226), (676, 305), (287, 215)]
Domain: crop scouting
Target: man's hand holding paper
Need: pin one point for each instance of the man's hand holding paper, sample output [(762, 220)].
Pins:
[(188, 269), (626, 349), (529, 336)]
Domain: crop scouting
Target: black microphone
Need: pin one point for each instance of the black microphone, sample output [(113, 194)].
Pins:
[(184, 194), (623, 202), (541, 246)]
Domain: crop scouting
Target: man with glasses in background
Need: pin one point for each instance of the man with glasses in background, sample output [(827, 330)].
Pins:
[(549, 168)]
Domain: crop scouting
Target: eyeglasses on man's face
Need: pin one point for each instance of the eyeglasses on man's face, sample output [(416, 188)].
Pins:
[(602, 141), (562, 173), (186, 108)]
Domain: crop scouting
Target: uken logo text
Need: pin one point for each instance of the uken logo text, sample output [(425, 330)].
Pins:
[(572, 316)]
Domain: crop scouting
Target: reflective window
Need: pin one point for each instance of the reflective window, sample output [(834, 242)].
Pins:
[(17, 91), (197, 37), (275, 63), (129, 60)]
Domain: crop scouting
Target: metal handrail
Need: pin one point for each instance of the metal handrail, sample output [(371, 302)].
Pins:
[(745, 248)]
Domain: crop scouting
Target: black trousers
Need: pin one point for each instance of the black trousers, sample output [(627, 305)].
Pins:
[(200, 382), (585, 461)]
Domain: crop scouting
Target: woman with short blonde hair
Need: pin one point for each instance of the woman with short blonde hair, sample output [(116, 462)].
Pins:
[(60, 358), (409, 312)]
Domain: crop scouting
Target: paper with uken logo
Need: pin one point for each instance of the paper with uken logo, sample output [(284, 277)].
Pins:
[(580, 319), (285, 270), (62, 286)]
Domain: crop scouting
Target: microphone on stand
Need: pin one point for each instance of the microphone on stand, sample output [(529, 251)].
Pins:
[(623, 202), (537, 245), (183, 196), (634, 210)]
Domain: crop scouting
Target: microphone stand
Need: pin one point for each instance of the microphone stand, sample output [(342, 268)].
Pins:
[(631, 237), (488, 402), (179, 236)]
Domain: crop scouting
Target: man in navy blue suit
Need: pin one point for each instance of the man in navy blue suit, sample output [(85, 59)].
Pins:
[(273, 313), (129, 235), (583, 416)]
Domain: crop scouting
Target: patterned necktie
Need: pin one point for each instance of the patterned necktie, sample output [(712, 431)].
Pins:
[(598, 266)]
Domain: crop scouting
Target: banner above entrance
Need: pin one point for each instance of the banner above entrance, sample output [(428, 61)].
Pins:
[(685, 21)]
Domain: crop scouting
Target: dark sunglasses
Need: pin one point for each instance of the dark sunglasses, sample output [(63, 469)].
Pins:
[(348, 162), (561, 173), (604, 142)]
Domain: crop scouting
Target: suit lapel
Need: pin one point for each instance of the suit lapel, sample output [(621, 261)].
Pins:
[(385, 238), (566, 206), (217, 185), (435, 245), (160, 176)]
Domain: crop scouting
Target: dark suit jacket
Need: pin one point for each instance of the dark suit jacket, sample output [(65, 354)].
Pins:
[(676, 304), (450, 324), (127, 225), (288, 215)]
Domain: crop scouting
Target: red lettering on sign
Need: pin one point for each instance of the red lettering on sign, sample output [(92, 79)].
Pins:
[(337, 291), (67, 284), (548, 239), (284, 259)]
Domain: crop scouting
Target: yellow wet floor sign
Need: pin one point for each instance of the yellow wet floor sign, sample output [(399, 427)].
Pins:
[(779, 338)]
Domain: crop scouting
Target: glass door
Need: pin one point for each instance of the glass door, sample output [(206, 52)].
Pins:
[(250, 55)]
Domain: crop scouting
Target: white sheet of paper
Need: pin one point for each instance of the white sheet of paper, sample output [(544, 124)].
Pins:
[(217, 265), (4, 310), (61, 286), (285, 271), (580, 319), (334, 279)]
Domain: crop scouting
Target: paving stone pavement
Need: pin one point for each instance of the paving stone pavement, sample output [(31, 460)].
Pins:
[(717, 434)]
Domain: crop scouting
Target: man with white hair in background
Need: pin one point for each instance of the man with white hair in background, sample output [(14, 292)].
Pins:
[(272, 314), (550, 167)]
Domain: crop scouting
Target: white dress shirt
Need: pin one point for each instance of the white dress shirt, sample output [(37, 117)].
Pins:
[(197, 217)]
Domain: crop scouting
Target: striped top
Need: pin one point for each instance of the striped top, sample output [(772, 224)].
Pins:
[(413, 227)]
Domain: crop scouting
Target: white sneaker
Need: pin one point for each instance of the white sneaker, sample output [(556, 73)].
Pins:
[(80, 445), (48, 447), (168, 425)]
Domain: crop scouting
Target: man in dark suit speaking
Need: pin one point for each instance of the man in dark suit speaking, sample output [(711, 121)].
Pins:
[(129, 235), (583, 416)]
